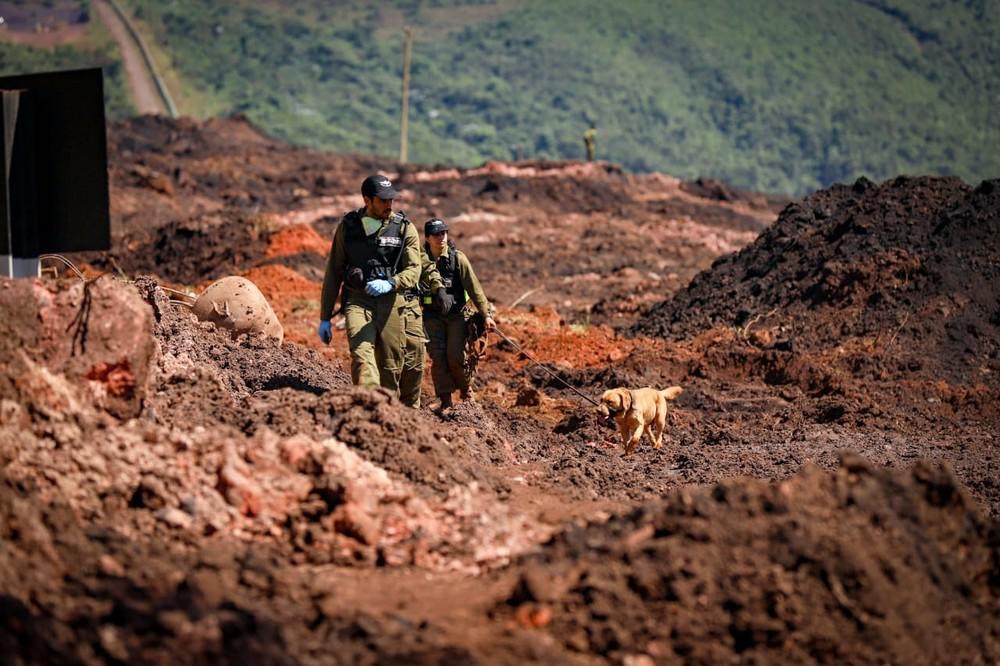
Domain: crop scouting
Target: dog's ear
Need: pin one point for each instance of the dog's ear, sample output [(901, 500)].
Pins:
[(614, 399), (626, 397)]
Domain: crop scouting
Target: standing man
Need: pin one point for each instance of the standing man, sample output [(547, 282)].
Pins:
[(375, 260), (590, 142), (446, 330)]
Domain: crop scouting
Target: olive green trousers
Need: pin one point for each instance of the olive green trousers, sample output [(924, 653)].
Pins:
[(386, 337), (446, 345)]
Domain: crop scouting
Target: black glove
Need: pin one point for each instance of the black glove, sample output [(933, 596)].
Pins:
[(356, 278), (445, 301)]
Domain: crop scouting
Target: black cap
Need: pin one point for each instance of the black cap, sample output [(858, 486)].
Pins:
[(434, 226), (378, 186)]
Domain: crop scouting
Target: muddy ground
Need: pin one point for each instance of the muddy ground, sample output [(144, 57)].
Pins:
[(828, 490)]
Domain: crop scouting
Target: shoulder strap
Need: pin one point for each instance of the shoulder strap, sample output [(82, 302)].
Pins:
[(400, 216), (352, 222), (402, 220)]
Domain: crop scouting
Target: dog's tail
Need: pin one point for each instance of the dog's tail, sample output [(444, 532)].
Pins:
[(672, 392)]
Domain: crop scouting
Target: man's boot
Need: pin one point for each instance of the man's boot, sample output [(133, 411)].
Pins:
[(446, 402)]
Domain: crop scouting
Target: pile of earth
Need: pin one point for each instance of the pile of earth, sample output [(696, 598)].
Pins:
[(858, 566), (192, 199), (85, 593), (127, 408), (177, 168), (861, 565), (718, 190), (902, 278)]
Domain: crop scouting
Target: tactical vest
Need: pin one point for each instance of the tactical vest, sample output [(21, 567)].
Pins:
[(451, 279), (377, 255)]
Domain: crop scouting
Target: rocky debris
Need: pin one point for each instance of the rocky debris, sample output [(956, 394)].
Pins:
[(903, 277), (85, 593), (62, 342), (371, 482), (317, 498), (860, 565), (208, 375), (236, 305)]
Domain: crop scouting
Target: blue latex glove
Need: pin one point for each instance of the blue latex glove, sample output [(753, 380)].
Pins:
[(325, 331), (378, 287)]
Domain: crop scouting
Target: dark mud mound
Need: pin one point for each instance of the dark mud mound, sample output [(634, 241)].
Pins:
[(154, 135), (226, 159), (543, 186), (191, 251), (718, 190), (409, 442), (907, 271), (859, 566)]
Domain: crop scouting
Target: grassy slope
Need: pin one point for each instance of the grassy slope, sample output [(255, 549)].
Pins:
[(778, 95)]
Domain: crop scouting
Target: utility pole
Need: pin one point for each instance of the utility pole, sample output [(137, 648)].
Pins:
[(405, 110)]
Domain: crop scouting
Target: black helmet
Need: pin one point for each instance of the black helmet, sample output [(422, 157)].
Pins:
[(435, 226)]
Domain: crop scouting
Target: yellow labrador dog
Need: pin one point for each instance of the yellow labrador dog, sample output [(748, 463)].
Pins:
[(636, 410)]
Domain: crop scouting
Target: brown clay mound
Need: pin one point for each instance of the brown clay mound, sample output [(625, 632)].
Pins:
[(858, 566), (71, 593), (207, 378), (909, 271), (552, 187), (87, 595)]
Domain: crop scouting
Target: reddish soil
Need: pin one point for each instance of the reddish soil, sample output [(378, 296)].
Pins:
[(828, 488)]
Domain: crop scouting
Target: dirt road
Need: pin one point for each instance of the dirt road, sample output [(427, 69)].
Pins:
[(144, 94)]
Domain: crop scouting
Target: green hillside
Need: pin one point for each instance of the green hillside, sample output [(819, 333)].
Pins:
[(776, 95)]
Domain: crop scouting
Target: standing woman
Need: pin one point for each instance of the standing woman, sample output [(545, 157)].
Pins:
[(446, 332)]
